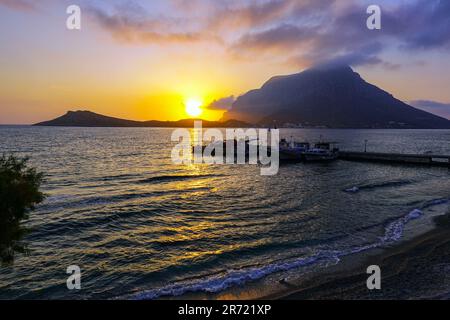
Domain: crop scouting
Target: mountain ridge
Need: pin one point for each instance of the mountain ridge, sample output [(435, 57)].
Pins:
[(85, 118), (329, 96)]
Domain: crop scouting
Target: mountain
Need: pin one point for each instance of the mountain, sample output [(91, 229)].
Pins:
[(91, 119), (331, 96)]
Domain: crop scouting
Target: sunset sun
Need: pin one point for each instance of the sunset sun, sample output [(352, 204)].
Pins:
[(193, 107)]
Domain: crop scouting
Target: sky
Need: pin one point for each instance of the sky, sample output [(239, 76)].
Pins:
[(146, 60)]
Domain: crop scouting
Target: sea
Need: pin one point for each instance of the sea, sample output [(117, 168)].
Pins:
[(140, 227)]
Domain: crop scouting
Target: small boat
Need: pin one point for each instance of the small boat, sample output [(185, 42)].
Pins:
[(323, 151), (222, 144), (235, 147), (302, 151), (292, 150)]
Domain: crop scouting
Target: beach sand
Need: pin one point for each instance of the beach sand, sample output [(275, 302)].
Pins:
[(415, 269)]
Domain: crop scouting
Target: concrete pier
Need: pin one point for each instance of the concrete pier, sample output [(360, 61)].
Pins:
[(418, 159)]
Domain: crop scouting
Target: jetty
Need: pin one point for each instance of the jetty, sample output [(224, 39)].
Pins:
[(415, 159)]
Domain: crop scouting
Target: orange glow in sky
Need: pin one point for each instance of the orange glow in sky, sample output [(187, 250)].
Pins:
[(127, 63)]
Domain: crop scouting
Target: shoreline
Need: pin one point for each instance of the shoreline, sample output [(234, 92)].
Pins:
[(427, 239), (418, 268)]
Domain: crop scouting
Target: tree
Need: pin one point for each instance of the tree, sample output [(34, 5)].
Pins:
[(19, 194)]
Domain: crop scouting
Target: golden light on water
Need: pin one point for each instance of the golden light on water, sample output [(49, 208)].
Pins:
[(193, 107)]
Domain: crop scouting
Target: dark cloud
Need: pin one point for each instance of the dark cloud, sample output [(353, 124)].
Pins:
[(222, 104), (429, 25), (328, 34), (319, 33), (438, 108)]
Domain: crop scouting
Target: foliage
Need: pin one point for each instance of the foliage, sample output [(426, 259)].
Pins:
[(19, 194)]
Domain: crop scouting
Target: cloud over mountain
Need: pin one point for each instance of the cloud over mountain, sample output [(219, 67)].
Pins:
[(222, 104)]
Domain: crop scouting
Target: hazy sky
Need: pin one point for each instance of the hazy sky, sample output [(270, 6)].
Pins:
[(144, 59)]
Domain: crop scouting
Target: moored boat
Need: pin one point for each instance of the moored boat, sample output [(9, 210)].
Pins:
[(292, 151), (302, 151), (323, 151)]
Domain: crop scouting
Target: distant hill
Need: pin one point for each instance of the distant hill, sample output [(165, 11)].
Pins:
[(330, 96), (91, 119)]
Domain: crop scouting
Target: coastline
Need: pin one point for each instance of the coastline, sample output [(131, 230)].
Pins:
[(415, 267), (418, 268)]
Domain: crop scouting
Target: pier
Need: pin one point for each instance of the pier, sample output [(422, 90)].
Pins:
[(415, 159)]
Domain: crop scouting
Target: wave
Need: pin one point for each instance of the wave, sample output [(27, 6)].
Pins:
[(434, 202), (231, 278), (387, 184), (62, 202), (393, 232), (131, 178), (124, 176), (169, 178)]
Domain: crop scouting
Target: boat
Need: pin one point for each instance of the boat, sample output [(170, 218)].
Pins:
[(302, 151), (323, 151), (292, 151)]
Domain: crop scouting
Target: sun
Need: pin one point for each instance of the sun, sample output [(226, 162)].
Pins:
[(193, 107)]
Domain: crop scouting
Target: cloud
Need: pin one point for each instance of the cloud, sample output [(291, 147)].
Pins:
[(302, 32), (334, 33), (131, 23), (319, 32), (280, 37), (222, 104), (425, 24), (235, 15), (438, 108), (19, 5)]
